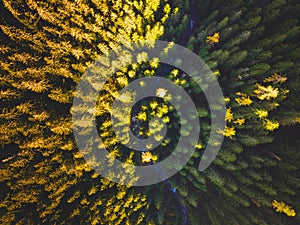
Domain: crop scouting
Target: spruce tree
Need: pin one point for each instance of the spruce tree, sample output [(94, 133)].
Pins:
[(250, 46)]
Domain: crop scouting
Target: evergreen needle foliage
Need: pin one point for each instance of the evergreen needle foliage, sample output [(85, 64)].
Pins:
[(252, 47)]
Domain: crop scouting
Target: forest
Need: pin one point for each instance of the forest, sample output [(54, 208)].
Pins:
[(47, 50)]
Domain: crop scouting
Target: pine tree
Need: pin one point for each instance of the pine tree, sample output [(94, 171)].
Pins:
[(251, 47)]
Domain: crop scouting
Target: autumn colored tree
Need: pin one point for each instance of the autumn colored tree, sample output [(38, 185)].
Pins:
[(250, 46)]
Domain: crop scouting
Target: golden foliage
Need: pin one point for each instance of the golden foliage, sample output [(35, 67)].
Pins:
[(9, 94), (239, 121), (283, 208), (148, 157), (161, 92), (243, 100), (261, 113), (214, 38), (60, 95), (229, 115), (228, 132), (275, 78), (270, 124), (32, 85), (268, 92)]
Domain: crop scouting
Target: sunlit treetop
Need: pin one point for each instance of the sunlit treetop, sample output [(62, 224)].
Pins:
[(261, 113), (199, 146), (268, 92), (243, 99), (216, 73), (227, 100), (275, 78), (161, 92), (213, 39), (270, 125), (228, 132), (283, 208), (229, 115), (148, 157), (239, 121)]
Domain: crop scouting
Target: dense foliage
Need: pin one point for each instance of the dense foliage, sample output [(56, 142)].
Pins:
[(251, 47)]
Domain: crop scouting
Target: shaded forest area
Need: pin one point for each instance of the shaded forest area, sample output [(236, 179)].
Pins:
[(251, 47)]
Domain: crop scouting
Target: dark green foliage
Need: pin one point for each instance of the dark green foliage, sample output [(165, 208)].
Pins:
[(44, 179)]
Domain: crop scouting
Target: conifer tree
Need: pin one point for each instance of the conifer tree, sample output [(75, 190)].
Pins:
[(250, 46)]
